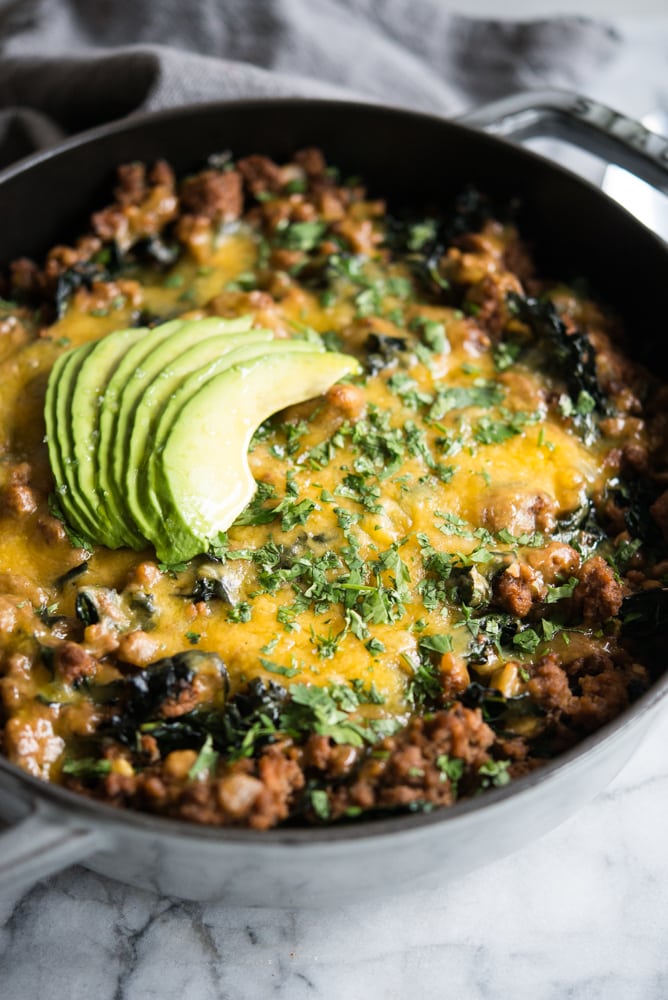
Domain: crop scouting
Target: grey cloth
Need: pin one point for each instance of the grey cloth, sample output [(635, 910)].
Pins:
[(70, 64)]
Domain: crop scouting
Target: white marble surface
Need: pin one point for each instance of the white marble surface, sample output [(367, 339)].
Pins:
[(581, 913)]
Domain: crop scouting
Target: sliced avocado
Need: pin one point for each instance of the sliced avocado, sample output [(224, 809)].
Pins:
[(138, 368), (60, 439), (127, 534), (150, 497), (57, 379), (94, 373), (202, 475), (131, 452)]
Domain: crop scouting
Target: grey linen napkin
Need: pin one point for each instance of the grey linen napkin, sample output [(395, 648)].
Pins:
[(71, 64)]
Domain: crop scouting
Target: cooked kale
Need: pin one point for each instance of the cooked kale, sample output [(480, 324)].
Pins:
[(581, 529), (570, 355), (80, 275), (72, 574), (214, 581), (645, 614), (382, 351), (422, 242), (497, 709), (86, 609), (635, 497), (155, 250), (140, 697)]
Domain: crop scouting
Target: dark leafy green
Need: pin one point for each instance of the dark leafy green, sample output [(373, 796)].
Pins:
[(571, 356), (645, 614)]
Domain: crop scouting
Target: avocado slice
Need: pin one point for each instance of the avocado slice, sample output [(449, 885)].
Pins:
[(150, 495), (60, 440), (202, 475), (109, 403), (57, 379), (131, 452), (167, 344), (94, 373)]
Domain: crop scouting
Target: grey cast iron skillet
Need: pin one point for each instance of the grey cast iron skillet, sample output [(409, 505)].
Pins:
[(409, 158)]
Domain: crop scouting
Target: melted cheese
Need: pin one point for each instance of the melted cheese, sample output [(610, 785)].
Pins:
[(487, 487)]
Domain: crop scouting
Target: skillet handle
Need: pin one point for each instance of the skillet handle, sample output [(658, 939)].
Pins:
[(560, 114), (39, 845)]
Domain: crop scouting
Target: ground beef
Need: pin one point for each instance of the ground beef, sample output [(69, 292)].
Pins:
[(518, 588), (312, 161), (138, 648), (518, 259), (24, 277), (659, 511), (635, 458), (19, 499), (598, 596), (215, 195), (52, 529), (334, 760), (185, 701), (586, 692), (260, 174), (143, 208), (250, 793), (411, 767), (549, 685), (603, 697), (73, 662), (131, 186)]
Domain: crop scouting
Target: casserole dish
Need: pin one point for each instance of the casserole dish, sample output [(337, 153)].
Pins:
[(399, 153)]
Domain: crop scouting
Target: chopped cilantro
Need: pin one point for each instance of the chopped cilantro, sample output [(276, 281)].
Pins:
[(302, 235), (277, 668), (367, 694), (256, 512), (296, 186), (488, 431), (324, 711), (320, 803), (174, 280), (528, 640), (420, 234), (241, 612), (494, 772), (506, 354), (483, 394), (206, 760), (558, 592), (87, 767), (451, 768), (326, 645), (294, 512), (435, 643), (549, 628)]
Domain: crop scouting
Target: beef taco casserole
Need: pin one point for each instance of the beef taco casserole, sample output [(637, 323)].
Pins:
[(451, 563)]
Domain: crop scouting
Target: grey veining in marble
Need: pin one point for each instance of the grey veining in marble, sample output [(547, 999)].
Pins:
[(581, 913)]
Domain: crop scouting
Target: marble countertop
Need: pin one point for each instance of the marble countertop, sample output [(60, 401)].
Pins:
[(581, 913)]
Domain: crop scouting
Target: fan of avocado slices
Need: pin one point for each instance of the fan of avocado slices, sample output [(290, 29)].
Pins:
[(148, 430)]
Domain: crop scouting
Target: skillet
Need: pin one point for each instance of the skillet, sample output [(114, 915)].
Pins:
[(410, 159)]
